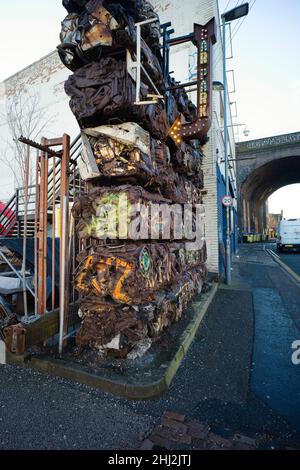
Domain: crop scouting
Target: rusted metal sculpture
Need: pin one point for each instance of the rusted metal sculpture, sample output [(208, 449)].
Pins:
[(128, 331), (134, 273), (127, 153), (132, 286)]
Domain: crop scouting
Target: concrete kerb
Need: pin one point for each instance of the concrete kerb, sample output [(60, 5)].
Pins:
[(284, 266), (137, 391)]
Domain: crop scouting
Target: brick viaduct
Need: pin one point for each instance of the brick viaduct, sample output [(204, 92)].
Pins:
[(263, 167)]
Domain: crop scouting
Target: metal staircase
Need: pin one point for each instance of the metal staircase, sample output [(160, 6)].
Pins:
[(12, 216)]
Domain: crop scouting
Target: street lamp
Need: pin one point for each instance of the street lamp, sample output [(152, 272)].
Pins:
[(228, 16), (236, 13), (218, 86), (246, 130)]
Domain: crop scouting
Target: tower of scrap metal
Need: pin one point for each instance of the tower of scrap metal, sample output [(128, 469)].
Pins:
[(142, 144)]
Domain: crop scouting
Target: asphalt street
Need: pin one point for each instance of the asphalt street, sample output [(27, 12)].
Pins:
[(276, 300), (292, 259), (218, 382)]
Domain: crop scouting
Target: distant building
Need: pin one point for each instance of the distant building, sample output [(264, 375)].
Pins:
[(46, 78), (274, 220)]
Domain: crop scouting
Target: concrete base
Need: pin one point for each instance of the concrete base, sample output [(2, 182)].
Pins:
[(144, 378)]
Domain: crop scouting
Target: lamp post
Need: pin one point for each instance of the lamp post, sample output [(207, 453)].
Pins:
[(246, 131), (228, 16)]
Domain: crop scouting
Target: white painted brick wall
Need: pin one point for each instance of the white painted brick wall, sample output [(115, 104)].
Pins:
[(45, 78)]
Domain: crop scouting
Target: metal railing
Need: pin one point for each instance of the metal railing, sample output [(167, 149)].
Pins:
[(14, 211)]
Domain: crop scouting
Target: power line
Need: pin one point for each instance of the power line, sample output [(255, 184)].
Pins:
[(238, 23), (241, 20), (237, 3), (237, 30), (220, 54), (227, 5), (229, 1)]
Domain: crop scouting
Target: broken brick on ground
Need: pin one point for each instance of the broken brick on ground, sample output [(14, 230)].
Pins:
[(178, 432)]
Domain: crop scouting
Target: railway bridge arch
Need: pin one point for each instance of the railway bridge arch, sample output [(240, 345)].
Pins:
[(263, 167)]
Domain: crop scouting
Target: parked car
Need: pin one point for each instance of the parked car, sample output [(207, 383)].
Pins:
[(288, 237)]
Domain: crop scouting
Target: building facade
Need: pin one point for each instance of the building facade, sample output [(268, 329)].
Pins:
[(45, 81), (274, 221)]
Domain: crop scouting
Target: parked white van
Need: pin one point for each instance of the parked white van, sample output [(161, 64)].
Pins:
[(289, 235)]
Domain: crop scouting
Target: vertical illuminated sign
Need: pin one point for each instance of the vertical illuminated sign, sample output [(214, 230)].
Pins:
[(204, 38)]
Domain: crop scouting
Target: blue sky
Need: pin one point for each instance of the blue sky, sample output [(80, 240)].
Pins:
[(267, 67), (266, 62)]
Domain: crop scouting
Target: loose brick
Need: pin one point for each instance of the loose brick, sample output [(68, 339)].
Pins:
[(197, 430), (212, 446), (182, 438), (164, 432), (199, 444), (244, 440), (220, 441), (240, 446), (173, 435), (174, 416), (161, 442), (147, 445), (180, 427)]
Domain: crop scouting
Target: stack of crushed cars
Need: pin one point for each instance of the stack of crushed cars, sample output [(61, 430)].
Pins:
[(132, 288)]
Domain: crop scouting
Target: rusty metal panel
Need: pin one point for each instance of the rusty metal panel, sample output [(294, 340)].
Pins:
[(91, 29), (134, 273), (107, 158), (104, 90), (187, 160), (15, 339), (87, 165), (128, 133), (130, 213), (100, 34), (118, 329), (122, 151), (111, 212)]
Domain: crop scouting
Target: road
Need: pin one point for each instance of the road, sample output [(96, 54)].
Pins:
[(292, 259), (276, 299)]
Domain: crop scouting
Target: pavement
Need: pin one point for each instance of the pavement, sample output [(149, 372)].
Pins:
[(236, 377)]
